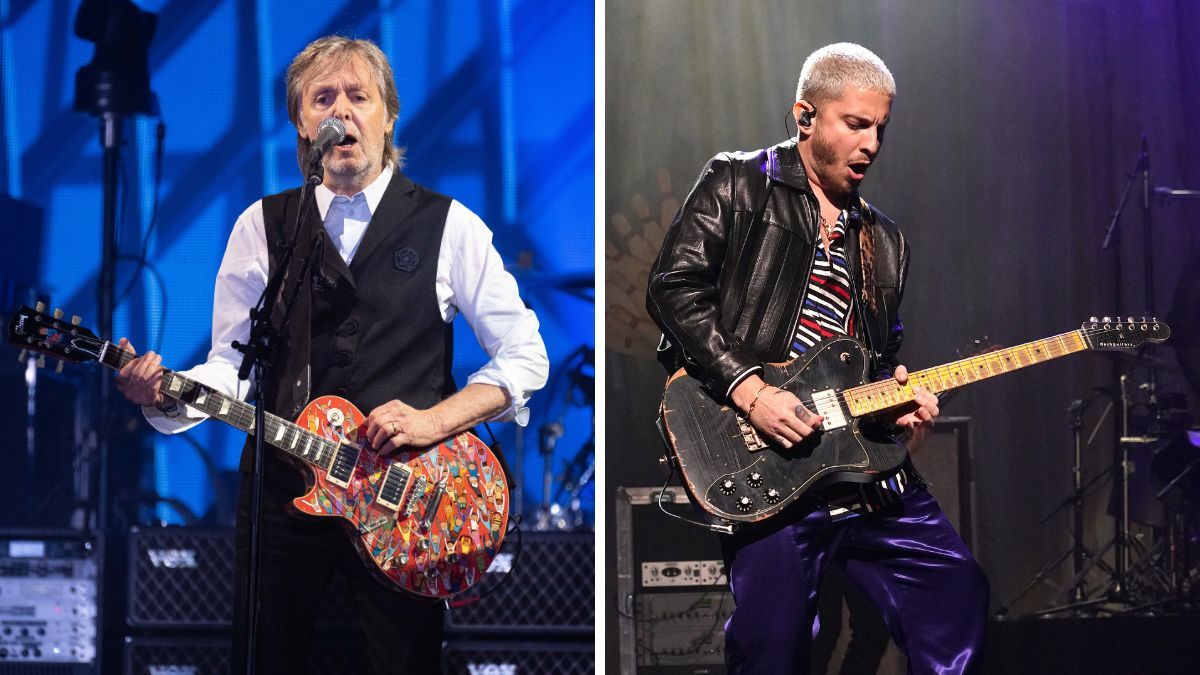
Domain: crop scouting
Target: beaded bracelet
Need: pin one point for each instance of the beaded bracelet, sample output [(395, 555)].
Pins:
[(750, 410)]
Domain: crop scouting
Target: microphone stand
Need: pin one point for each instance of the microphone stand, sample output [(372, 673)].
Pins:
[(257, 356), (1112, 238)]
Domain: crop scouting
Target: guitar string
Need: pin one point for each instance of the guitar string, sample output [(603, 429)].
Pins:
[(881, 385), (241, 413)]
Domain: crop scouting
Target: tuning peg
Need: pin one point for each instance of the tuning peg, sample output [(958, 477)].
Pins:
[(76, 320), (58, 313), (41, 361), (1108, 319), (1094, 320), (40, 306), (58, 366)]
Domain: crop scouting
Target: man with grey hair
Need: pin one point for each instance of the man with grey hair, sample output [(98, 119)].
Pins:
[(372, 325), (773, 252)]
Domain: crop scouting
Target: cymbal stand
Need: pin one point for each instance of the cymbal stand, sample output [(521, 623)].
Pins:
[(1083, 560)]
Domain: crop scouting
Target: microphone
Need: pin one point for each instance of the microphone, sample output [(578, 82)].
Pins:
[(330, 132)]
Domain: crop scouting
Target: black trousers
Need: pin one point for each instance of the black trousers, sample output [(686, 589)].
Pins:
[(300, 555)]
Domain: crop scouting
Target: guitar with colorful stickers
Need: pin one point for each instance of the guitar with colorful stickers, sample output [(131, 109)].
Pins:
[(427, 521)]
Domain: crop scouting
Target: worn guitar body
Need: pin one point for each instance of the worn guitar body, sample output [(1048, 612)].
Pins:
[(733, 474), (446, 529)]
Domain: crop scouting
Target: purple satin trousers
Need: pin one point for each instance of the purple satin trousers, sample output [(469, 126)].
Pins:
[(906, 558)]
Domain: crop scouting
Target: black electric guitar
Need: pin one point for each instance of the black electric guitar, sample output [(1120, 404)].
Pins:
[(426, 521), (734, 474)]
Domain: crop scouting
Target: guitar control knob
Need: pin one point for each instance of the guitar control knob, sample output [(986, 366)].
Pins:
[(744, 504), (728, 486), (754, 479), (771, 496)]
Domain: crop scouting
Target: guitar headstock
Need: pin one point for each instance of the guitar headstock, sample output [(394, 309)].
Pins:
[(36, 331), (1124, 333)]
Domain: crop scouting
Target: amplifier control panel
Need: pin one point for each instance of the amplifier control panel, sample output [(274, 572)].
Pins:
[(684, 573), (47, 599)]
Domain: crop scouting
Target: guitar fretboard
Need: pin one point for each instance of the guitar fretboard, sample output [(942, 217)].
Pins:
[(291, 438), (877, 396)]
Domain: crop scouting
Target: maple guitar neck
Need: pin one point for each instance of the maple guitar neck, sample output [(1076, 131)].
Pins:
[(875, 397), (280, 433)]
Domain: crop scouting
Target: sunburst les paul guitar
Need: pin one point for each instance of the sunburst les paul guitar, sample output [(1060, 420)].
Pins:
[(426, 521), (733, 473)]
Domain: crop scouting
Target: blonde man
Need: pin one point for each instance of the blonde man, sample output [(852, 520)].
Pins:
[(772, 252)]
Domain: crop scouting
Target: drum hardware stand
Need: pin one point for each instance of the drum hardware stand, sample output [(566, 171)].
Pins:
[(1181, 585), (1083, 559), (577, 475), (549, 516)]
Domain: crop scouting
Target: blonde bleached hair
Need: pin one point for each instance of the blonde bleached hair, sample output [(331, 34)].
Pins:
[(325, 54), (829, 70)]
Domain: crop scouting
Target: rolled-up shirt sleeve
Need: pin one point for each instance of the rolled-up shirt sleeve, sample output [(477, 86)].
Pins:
[(471, 279)]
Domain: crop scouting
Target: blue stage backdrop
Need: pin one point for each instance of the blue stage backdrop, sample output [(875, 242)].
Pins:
[(497, 110)]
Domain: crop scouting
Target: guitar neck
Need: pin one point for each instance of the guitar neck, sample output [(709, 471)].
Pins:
[(301, 443), (879, 396)]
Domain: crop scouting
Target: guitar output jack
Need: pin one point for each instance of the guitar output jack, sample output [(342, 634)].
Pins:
[(745, 504), (754, 480), (728, 486)]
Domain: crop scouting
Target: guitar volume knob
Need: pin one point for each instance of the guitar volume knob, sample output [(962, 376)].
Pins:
[(771, 496), (745, 504), (728, 486), (754, 479)]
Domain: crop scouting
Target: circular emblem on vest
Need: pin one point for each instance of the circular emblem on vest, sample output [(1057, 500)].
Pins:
[(406, 259)]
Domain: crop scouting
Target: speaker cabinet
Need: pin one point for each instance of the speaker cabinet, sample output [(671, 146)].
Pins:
[(945, 464)]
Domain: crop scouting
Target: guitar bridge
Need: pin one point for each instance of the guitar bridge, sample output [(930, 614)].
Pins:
[(750, 436)]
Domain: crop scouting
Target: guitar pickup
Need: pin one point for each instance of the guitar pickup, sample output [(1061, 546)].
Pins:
[(391, 491), (828, 406), (345, 460)]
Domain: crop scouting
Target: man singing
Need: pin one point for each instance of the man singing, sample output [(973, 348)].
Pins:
[(373, 326), (772, 252)]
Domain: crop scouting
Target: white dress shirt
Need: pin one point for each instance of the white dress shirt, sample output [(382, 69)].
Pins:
[(470, 279)]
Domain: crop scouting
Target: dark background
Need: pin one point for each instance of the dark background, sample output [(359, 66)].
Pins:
[(1014, 128)]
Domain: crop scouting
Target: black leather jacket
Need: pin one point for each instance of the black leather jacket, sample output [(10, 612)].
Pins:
[(727, 285)]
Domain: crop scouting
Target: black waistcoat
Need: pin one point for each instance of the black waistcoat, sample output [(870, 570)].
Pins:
[(370, 332)]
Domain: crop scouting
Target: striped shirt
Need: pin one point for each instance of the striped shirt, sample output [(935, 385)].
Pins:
[(825, 313), (826, 309)]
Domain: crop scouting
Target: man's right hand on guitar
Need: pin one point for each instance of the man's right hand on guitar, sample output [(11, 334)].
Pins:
[(776, 413), (139, 380)]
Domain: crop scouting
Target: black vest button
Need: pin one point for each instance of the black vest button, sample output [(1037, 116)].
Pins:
[(348, 328), (343, 358)]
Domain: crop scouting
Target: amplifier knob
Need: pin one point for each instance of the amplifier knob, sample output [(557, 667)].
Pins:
[(745, 504), (728, 486), (771, 496), (754, 479)]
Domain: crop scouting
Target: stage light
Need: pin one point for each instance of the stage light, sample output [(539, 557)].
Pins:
[(118, 78)]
